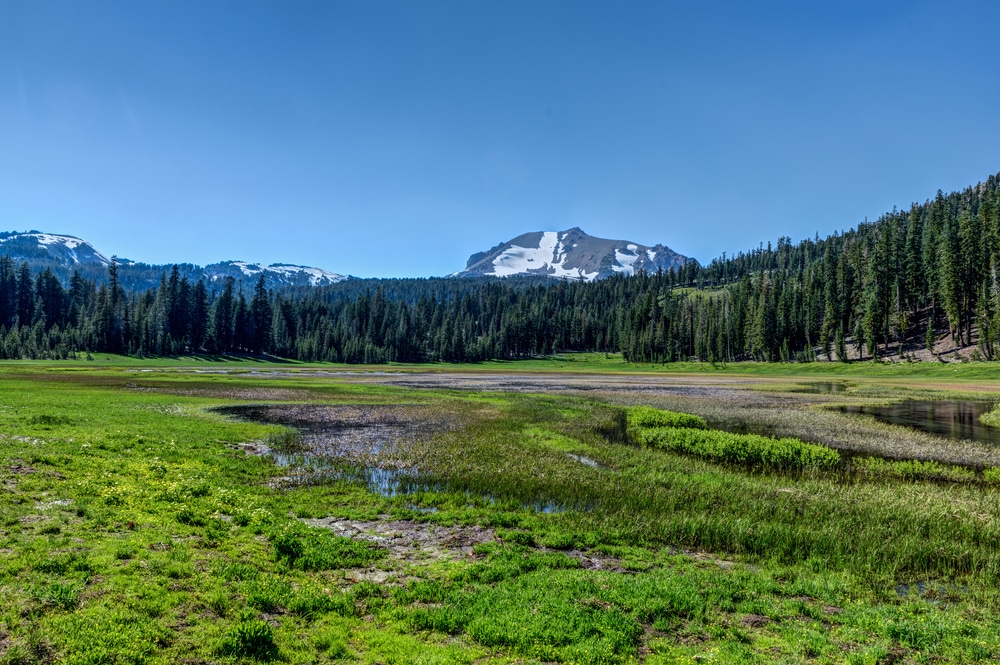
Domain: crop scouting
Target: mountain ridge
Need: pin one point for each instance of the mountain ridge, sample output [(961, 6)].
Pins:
[(63, 254), (571, 254)]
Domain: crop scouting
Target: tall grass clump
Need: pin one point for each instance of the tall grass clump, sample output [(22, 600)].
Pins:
[(251, 638), (315, 549), (915, 470), (643, 417), (991, 418), (742, 449)]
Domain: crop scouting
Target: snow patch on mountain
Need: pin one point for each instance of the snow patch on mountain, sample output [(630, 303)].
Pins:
[(626, 260), (276, 272), (549, 258), (65, 254), (61, 248), (317, 276), (570, 254)]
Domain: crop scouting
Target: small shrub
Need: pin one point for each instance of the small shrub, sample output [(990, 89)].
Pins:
[(523, 538), (241, 518), (234, 571), (743, 449), (992, 475), (646, 416), (267, 594), (220, 602), (332, 643), (189, 517), (914, 470), (289, 545), (287, 442), (197, 490), (63, 596), (17, 655), (60, 564), (315, 549), (311, 602), (176, 571), (252, 638)]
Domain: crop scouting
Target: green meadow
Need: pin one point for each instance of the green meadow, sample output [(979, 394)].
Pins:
[(213, 510)]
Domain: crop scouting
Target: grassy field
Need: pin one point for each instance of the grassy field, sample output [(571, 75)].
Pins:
[(142, 525)]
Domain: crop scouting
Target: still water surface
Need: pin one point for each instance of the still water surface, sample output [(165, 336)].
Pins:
[(955, 419)]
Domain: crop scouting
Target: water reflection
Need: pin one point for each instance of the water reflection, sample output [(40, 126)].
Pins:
[(955, 419)]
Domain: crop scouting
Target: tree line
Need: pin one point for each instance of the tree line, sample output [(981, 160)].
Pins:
[(890, 286)]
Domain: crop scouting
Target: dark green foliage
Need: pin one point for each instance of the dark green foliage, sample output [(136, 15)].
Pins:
[(317, 549), (65, 596), (743, 449), (64, 563), (647, 416), (252, 638), (312, 602), (266, 594), (878, 286)]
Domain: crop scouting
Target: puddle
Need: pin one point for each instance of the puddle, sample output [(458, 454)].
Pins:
[(310, 470), (954, 419), (548, 507), (936, 594), (585, 461), (366, 444)]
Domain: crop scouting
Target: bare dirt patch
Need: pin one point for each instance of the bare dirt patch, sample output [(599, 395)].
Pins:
[(755, 621), (409, 542)]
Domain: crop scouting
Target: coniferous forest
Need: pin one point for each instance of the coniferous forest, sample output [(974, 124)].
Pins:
[(896, 286)]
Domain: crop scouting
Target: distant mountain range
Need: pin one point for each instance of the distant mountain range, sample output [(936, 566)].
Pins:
[(570, 254), (63, 254)]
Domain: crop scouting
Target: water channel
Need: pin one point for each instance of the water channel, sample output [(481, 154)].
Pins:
[(954, 419)]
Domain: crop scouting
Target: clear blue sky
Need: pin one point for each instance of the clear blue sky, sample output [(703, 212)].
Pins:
[(396, 138)]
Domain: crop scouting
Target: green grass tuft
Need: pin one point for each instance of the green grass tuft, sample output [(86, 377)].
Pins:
[(647, 416), (251, 638), (743, 449)]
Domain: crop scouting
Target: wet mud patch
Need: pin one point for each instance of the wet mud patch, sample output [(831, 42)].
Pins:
[(378, 445), (411, 543), (222, 392)]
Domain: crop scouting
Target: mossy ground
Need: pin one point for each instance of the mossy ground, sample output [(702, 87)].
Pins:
[(136, 530)]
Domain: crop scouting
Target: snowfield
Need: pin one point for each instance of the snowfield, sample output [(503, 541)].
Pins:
[(548, 258), (626, 260), (317, 276), (55, 242)]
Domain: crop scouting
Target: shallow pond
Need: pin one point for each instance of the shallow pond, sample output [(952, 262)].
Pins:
[(955, 419), (364, 444)]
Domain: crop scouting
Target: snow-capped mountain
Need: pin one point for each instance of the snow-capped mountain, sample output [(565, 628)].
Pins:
[(64, 254), (34, 246), (570, 254), (288, 274)]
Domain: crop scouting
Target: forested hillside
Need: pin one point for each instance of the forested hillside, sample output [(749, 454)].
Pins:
[(889, 287)]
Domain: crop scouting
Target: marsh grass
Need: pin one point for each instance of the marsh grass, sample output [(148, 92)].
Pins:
[(750, 564), (817, 419)]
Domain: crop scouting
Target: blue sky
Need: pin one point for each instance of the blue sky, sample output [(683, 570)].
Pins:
[(396, 138)]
